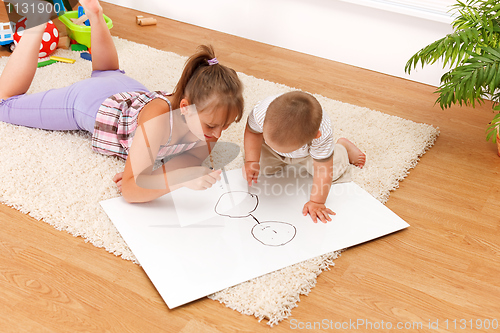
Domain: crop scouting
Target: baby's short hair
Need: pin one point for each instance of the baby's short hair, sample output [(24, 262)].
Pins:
[(293, 118)]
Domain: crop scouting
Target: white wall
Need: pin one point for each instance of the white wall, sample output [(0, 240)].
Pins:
[(359, 35)]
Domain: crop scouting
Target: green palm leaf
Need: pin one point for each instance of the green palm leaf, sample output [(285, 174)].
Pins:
[(452, 49), (493, 128), (471, 82), (473, 53)]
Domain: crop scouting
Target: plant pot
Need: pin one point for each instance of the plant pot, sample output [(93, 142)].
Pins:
[(498, 144)]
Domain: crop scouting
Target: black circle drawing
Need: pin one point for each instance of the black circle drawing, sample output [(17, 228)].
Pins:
[(269, 233), (247, 204), (274, 233)]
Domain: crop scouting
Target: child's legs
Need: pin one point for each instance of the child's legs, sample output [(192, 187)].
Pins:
[(104, 54), (270, 161), (340, 174), (18, 74), (306, 165), (341, 171), (70, 108), (46, 110)]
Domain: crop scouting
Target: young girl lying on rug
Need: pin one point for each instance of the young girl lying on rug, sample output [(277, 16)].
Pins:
[(132, 112), (292, 128)]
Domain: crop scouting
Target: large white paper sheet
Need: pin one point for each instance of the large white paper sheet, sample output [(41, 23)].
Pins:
[(194, 243)]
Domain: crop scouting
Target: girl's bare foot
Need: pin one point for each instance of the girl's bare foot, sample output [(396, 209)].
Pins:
[(92, 7), (356, 156)]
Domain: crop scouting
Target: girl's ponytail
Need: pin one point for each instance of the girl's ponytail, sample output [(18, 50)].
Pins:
[(203, 78), (197, 60)]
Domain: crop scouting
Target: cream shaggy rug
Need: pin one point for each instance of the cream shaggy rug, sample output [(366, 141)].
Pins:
[(55, 177)]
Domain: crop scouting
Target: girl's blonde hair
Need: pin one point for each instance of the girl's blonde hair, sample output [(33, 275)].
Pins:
[(209, 85)]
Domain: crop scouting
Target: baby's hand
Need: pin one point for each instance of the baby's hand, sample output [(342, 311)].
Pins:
[(317, 210), (251, 172)]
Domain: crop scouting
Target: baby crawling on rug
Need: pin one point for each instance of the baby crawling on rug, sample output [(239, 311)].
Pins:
[(291, 128)]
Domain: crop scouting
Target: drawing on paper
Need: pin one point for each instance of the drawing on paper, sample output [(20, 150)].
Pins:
[(241, 204)]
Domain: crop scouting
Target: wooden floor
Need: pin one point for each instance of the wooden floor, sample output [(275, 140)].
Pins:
[(444, 267)]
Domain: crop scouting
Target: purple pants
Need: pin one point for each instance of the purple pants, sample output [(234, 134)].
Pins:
[(70, 108)]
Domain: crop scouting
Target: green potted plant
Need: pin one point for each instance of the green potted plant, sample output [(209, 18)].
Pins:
[(473, 53), (494, 131)]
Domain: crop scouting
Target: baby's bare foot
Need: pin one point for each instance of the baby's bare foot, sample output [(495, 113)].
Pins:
[(356, 156)]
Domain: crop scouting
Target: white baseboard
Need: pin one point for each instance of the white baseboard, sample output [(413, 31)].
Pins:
[(353, 34)]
